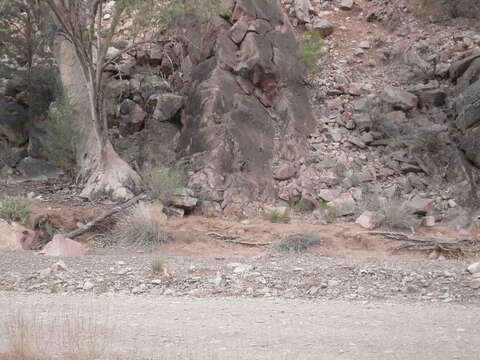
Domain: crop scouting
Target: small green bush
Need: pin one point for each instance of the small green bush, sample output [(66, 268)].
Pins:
[(161, 182), (60, 133), (298, 243), (15, 208), (304, 206), (279, 217), (309, 51), (142, 227)]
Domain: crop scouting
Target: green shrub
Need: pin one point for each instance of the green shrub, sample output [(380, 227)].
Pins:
[(161, 182), (15, 208), (304, 206), (298, 243), (143, 226), (279, 217), (309, 51), (60, 133)]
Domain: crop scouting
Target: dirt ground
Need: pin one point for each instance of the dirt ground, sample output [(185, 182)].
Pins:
[(153, 327)]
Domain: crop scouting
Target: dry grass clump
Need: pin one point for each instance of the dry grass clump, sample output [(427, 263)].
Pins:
[(397, 214), (157, 265), (144, 226), (15, 208), (74, 335), (298, 243)]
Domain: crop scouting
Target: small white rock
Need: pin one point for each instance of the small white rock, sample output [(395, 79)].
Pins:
[(474, 268), (87, 285)]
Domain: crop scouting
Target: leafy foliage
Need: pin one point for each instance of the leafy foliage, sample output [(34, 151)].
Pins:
[(309, 51), (60, 133), (161, 182), (25, 52), (15, 208)]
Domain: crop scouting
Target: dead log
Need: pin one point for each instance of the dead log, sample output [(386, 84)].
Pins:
[(83, 229)]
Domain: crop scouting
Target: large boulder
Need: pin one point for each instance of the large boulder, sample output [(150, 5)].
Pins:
[(13, 121), (247, 108), (459, 67), (14, 236), (63, 246), (471, 146), (399, 98), (467, 106), (38, 169)]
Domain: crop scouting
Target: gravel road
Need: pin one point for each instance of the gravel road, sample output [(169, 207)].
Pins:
[(148, 327)]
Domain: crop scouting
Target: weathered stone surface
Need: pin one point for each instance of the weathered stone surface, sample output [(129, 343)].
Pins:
[(238, 94), (13, 120), (165, 106), (474, 268), (14, 236), (302, 9), (467, 106), (328, 194), (458, 68), (62, 246), (343, 205), (284, 172), (37, 169), (399, 98), (183, 199), (471, 146), (323, 26), (132, 116), (346, 4), (370, 220), (420, 204)]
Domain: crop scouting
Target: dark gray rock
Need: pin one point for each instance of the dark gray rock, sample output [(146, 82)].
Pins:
[(38, 169), (471, 146), (467, 106), (458, 68), (399, 98), (165, 106), (13, 121)]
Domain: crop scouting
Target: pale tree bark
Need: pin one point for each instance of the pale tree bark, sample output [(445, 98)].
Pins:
[(80, 49), (100, 167)]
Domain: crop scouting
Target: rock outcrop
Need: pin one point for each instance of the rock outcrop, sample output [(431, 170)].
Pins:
[(247, 110)]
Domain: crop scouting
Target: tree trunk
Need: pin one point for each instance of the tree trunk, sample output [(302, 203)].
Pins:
[(103, 172)]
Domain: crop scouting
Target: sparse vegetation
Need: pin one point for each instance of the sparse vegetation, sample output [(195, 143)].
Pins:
[(14, 208), (298, 243), (161, 182), (142, 227), (304, 206), (309, 51), (79, 336), (398, 216), (60, 134), (279, 217), (157, 265)]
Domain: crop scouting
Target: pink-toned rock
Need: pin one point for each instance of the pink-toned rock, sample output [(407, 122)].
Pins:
[(62, 246), (14, 236), (370, 220)]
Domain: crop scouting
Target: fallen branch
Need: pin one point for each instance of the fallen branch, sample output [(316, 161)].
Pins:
[(236, 240), (421, 243), (83, 229)]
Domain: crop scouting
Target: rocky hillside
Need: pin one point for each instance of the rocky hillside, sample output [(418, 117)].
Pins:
[(389, 114)]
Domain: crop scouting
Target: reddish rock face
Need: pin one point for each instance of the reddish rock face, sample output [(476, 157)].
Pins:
[(247, 110), (14, 236), (62, 246)]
